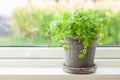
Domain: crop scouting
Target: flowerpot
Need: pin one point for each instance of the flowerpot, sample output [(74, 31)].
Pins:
[(74, 64)]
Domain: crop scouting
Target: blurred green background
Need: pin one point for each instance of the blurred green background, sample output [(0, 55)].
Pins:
[(29, 24)]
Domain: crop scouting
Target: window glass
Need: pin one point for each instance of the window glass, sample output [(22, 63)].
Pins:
[(25, 22)]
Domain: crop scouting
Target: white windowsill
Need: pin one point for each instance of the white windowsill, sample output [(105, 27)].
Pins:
[(40, 64), (19, 73)]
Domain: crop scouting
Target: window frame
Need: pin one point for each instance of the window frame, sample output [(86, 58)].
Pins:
[(52, 53), (43, 56)]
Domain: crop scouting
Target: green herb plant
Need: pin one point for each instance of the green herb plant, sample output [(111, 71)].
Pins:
[(81, 25)]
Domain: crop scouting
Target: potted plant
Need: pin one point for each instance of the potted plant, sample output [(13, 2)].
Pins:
[(78, 33)]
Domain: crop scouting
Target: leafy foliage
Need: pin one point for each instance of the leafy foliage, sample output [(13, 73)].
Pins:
[(113, 35), (32, 22), (81, 25)]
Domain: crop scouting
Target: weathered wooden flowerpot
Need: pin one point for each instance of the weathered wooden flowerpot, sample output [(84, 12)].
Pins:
[(74, 64)]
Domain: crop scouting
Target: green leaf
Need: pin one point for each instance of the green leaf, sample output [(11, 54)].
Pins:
[(81, 55), (66, 48)]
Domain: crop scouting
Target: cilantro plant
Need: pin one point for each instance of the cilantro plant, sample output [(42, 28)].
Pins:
[(81, 25)]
